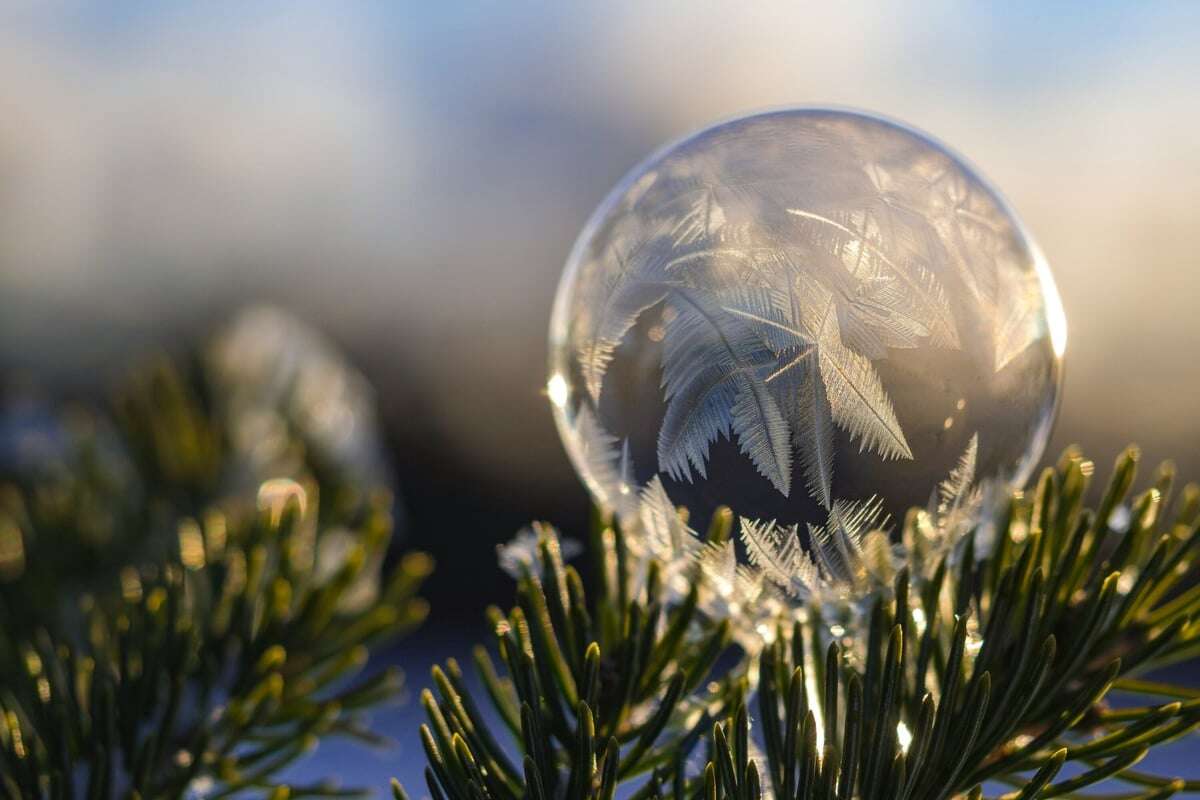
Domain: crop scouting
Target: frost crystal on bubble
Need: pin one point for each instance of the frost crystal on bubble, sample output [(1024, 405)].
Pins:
[(819, 318)]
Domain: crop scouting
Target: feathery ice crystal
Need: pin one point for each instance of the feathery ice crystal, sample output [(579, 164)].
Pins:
[(817, 317)]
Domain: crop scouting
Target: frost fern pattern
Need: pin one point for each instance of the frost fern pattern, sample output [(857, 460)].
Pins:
[(779, 294)]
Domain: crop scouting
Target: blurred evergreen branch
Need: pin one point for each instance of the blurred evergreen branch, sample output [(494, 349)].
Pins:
[(177, 618), (980, 672)]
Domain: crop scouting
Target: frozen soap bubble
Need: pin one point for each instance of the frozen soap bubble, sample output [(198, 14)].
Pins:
[(816, 317)]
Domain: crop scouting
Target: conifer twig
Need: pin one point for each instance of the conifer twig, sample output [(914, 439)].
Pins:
[(992, 668), (173, 621)]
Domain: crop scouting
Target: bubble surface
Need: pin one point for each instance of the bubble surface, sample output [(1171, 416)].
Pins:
[(816, 317)]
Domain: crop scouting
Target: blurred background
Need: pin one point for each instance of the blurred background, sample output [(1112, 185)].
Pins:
[(410, 179)]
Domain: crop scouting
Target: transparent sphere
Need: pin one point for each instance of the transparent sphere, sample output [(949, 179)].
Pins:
[(806, 315)]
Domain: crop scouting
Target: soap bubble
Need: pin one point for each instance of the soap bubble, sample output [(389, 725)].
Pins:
[(819, 318)]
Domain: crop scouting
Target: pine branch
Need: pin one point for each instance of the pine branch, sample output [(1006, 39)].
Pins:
[(599, 688), (992, 669), (176, 618)]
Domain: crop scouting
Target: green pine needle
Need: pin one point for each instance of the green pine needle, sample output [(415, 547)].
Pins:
[(992, 670), (165, 627)]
